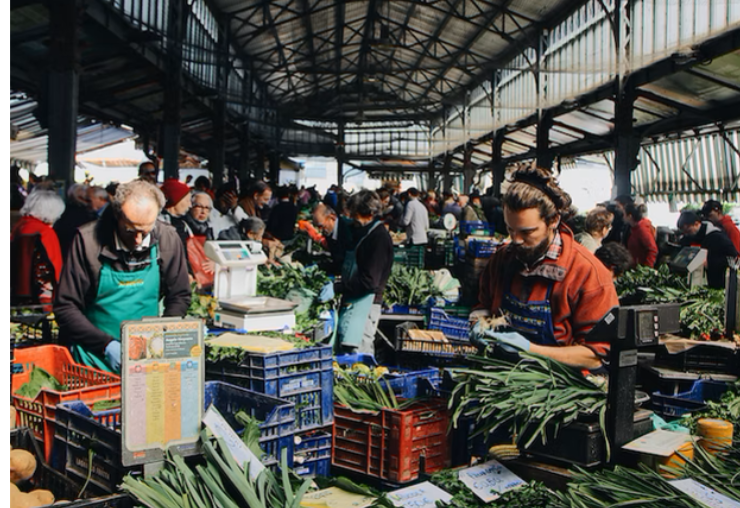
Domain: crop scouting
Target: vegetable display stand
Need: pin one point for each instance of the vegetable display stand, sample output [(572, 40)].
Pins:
[(62, 487), (312, 453), (81, 382), (675, 406), (392, 445), (301, 376), (453, 327), (707, 357)]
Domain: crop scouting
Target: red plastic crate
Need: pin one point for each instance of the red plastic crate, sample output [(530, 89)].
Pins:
[(390, 444), (83, 383)]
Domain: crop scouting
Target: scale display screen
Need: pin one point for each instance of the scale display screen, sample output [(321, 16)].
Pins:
[(235, 254), (646, 326), (685, 256)]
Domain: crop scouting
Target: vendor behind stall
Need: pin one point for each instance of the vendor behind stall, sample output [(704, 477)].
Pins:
[(552, 289), (338, 234), (119, 268), (364, 274), (706, 235)]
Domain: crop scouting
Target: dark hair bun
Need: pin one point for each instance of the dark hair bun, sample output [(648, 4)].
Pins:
[(543, 180)]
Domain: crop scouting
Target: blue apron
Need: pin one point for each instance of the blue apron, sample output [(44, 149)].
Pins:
[(355, 311), (531, 319), (121, 296)]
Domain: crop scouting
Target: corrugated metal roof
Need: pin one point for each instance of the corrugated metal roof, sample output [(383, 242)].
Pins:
[(31, 143)]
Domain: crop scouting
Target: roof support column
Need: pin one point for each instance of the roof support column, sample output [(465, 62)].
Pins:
[(259, 168), (545, 155), (218, 157), (274, 161), (446, 173), (626, 142), (340, 155), (63, 89), (498, 166), (468, 171), (244, 148), (176, 23), (431, 179)]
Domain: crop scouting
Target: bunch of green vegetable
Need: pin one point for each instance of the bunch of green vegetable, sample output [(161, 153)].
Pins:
[(635, 284), (365, 389), (625, 487), (524, 397), (219, 483), (201, 306), (39, 379), (409, 286), (296, 283), (529, 495), (720, 472)]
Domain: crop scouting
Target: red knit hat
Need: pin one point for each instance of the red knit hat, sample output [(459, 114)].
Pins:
[(174, 190)]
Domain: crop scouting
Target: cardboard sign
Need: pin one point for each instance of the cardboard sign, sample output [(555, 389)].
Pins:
[(489, 480), (659, 442), (334, 497), (234, 443), (704, 494), (422, 495)]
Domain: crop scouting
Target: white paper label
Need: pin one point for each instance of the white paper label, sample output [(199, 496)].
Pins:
[(423, 495), (489, 480), (704, 494), (234, 443)]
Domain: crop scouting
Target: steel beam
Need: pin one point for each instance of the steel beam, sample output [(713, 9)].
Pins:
[(62, 88), (172, 118)]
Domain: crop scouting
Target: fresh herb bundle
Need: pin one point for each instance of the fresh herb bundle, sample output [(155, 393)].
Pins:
[(524, 397)]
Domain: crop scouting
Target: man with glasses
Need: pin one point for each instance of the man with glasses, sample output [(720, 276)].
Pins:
[(148, 172), (119, 268)]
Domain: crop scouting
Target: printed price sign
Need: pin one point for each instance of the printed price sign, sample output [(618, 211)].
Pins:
[(234, 443), (162, 379), (489, 480)]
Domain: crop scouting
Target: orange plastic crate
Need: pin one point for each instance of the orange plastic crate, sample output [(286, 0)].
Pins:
[(391, 444), (83, 383)]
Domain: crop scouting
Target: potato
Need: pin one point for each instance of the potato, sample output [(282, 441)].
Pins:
[(43, 497), (22, 465)]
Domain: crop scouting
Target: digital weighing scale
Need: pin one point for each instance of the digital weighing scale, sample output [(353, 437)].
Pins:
[(691, 261), (235, 287)]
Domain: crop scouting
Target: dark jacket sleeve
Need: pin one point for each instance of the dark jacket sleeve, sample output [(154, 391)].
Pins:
[(71, 301), (374, 262), (175, 286)]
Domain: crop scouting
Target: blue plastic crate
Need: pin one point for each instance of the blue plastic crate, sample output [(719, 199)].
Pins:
[(674, 406), (406, 383), (312, 453), (403, 309), (277, 429), (454, 327), (301, 376), (474, 227), (481, 248), (78, 429)]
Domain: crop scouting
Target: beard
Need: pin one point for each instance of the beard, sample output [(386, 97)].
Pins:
[(530, 255)]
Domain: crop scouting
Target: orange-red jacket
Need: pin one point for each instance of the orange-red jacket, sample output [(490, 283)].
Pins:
[(729, 227), (582, 293), (641, 243)]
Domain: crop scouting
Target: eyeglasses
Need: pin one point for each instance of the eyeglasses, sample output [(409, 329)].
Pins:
[(203, 207)]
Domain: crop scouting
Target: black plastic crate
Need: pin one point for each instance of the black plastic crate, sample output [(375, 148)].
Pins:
[(34, 326), (674, 406), (701, 358)]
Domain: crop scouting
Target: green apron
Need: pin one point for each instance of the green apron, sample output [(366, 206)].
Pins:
[(355, 311), (121, 296)]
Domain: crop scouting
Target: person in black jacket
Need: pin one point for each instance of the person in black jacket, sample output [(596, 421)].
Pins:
[(714, 240), (364, 275), (77, 213), (283, 215), (338, 236)]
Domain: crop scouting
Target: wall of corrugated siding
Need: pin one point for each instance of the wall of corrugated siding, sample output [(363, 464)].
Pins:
[(706, 167)]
